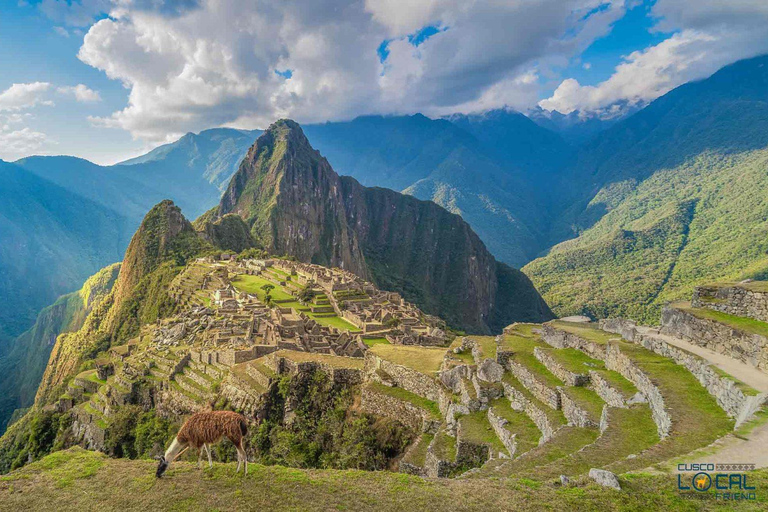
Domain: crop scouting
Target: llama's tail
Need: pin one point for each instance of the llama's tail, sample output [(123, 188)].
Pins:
[(243, 426)]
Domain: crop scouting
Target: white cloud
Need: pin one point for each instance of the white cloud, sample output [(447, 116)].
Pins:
[(194, 66), (19, 143), (710, 35), (21, 96), (61, 31), (81, 92)]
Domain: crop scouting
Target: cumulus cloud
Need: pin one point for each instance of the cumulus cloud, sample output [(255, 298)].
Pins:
[(15, 144), (81, 93), (708, 35), (225, 62), (22, 96)]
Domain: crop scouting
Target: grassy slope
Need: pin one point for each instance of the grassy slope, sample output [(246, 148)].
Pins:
[(699, 221), (80, 480)]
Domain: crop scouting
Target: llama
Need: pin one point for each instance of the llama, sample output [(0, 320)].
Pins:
[(203, 429)]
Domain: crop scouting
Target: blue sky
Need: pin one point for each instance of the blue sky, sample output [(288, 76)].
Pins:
[(109, 79)]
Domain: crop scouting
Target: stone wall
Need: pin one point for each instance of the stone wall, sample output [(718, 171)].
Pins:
[(618, 362), (559, 371), (734, 300), (544, 393), (605, 391), (742, 346), (519, 402), (574, 414), (728, 395), (405, 412), (410, 380), (506, 437), (86, 430)]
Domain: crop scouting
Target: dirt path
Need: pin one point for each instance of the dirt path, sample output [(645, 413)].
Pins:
[(742, 371), (750, 448)]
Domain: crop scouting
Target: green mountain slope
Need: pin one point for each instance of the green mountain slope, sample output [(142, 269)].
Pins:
[(296, 204), (22, 367), (678, 198)]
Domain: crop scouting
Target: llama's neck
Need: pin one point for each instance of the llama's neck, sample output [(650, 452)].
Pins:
[(173, 451)]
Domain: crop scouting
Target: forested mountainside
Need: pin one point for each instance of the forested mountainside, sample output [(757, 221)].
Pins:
[(23, 365), (671, 197), (296, 204)]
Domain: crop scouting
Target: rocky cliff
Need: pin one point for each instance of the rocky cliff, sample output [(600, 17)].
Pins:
[(295, 204)]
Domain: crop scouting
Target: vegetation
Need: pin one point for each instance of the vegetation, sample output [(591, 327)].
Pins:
[(81, 480), (324, 431), (406, 396)]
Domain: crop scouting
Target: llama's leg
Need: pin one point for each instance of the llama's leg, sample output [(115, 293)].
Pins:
[(208, 449), (241, 455), (200, 455)]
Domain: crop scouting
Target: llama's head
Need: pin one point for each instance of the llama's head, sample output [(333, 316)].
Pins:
[(162, 466)]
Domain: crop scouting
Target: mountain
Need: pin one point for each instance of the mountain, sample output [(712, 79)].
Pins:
[(577, 127), (22, 367), (51, 241), (295, 204), (162, 245), (210, 157), (491, 169), (670, 197)]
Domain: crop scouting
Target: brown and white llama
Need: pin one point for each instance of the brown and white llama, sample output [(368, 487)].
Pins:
[(203, 429)]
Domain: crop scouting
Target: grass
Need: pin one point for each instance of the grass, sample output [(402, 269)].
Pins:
[(333, 321), (528, 434), (575, 361), (555, 417), (589, 332), (522, 349), (619, 383), (422, 359), (586, 399), (630, 431), (567, 441), (332, 361), (487, 345), (121, 484), (375, 341), (252, 284), (418, 453), (697, 419), (740, 323), (475, 428), (444, 446), (406, 396)]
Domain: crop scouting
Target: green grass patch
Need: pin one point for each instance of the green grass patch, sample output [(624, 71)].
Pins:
[(522, 352), (418, 453), (375, 341), (330, 360), (588, 332), (333, 321), (575, 361), (528, 434), (619, 383), (475, 428), (487, 346), (252, 284), (444, 446), (586, 399)]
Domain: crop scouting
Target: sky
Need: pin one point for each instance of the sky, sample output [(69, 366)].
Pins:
[(110, 79)]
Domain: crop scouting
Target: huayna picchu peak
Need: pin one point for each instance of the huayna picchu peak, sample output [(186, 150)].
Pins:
[(296, 205)]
